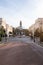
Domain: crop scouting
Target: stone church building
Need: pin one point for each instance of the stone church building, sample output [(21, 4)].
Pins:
[(20, 29)]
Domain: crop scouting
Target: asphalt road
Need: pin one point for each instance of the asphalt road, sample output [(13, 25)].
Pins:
[(21, 51)]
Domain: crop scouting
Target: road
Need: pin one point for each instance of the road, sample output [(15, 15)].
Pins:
[(21, 51)]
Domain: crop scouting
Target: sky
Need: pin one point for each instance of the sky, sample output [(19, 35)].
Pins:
[(27, 11)]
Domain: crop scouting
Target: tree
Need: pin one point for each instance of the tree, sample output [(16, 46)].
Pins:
[(26, 32), (14, 32), (41, 37), (2, 32), (37, 33)]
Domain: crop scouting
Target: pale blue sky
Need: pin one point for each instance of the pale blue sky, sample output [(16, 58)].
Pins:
[(25, 10)]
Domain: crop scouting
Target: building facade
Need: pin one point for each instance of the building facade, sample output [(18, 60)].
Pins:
[(20, 29), (9, 29), (2, 23), (38, 25), (6, 26)]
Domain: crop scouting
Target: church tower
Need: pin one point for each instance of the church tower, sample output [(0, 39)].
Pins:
[(20, 23)]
